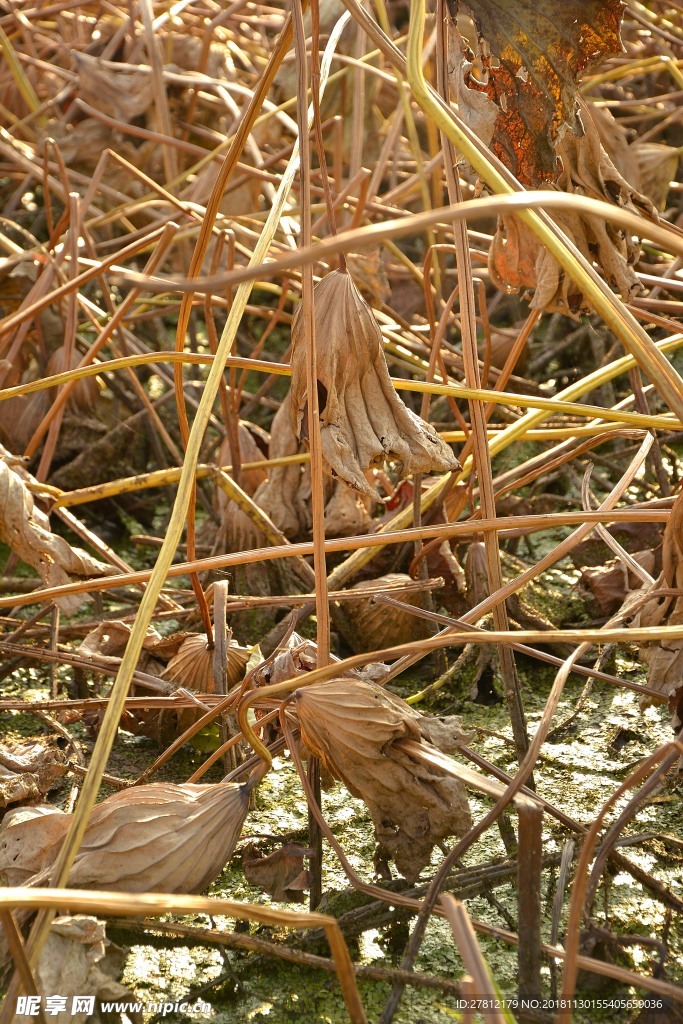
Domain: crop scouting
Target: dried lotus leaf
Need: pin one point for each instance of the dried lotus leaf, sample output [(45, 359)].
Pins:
[(363, 422), (124, 93), (375, 626), (86, 392), (26, 837), (346, 513), (658, 166), (192, 666), (26, 531), (78, 958), (286, 495), (159, 838), (281, 873), (351, 726), (253, 444), (516, 257)]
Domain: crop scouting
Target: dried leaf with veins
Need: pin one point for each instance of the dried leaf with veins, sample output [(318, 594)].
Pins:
[(281, 874), (519, 91), (25, 846), (346, 513), (286, 495), (122, 92), (157, 838), (352, 727), (78, 958), (375, 626), (520, 94), (26, 530), (363, 422)]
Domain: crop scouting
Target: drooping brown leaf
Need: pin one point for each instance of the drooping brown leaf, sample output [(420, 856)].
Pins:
[(192, 665), (346, 513), (519, 91), (285, 495), (253, 447), (182, 659), (363, 422), (28, 771), (156, 838), (26, 530), (24, 846), (518, 260), (123, 93), (374, 626), (281, 873), (351, 726)]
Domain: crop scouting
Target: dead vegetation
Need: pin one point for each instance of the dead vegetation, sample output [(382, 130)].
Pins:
[(331, 337)]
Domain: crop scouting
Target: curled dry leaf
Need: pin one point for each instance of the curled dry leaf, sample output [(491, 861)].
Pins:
[(26, 530), (86, 392), (25, 847), (28, 771), (519, 90), (253, 445), (351, 726), (281, 873), (295, 657), (124, 93), (78, 960), (285, 495), (363, 422), (192, 666), (610, 584), (519, 93), (156, 838), (346, 513), (664, 658), (374, 626), (517, 259), (182, 659)]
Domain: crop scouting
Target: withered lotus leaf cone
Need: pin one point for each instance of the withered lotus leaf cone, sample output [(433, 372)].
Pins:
[(375, 626), (159, 838), (192, 666), (351, 726), (363, 422)]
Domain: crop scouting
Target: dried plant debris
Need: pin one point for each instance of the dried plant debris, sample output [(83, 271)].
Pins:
[(517, 82), (286, 495), (664, 658), (281, 873), (79, 960), (28, 771), (253, 444), (156, 838), (374, 626), (609, 584), (28, 836), (517, 259), (517, 87), (363, 422), (181, 660), (26, 530), (352, 726)]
